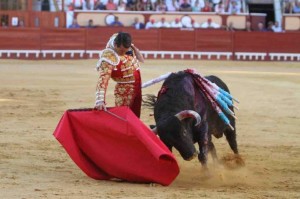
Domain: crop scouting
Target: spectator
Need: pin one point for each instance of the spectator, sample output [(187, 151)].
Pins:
[(121, 6), (99, 5), (261, 27), (234, 7), (78, 4), (207, 7), (172, 5), (270, 26), (91, 24), (150, 24), (287, 6), (276, 27), (111, 5), (140, 4), (185, 6), (210, 24), (220, 8), (176, 24), (149, 5), (131, 5), (88, 5), (71, 6), (138, 25), (193, 24), (161, 6), (296, 7), (215, 3), (74, 24), (248, 26), (162, 23), (116, 22), (197, 5)]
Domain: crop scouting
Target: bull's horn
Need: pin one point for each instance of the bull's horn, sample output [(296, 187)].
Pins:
[(154, 130), (189, 113)]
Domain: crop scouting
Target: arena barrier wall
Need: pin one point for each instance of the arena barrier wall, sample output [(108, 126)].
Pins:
[(84, 43)]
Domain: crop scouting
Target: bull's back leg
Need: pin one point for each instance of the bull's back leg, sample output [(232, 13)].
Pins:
[(212, 150)]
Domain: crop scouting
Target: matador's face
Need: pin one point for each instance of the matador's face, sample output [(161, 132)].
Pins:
[(121, 50)]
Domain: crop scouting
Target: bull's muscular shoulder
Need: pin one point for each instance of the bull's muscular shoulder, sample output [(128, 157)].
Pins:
[(110, 56)]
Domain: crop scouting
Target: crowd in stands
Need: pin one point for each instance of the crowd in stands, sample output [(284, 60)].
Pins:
[(192, 24), (291, 6), (219, 6)]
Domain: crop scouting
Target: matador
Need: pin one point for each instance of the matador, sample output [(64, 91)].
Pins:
[(120, 61)]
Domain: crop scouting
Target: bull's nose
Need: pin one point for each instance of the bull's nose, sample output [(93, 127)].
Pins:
[(193, 156)]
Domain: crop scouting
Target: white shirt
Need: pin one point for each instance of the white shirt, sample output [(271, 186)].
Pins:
[(237, 8), (194, 25), (162, 25), (276, 29), (149, 25), (211, 25), (170, 6), (176, 25)]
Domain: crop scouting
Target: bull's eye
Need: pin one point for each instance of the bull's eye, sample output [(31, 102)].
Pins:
[(184, 132)]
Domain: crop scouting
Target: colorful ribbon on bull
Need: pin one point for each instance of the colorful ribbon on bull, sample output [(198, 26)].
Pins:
[(219, 98)]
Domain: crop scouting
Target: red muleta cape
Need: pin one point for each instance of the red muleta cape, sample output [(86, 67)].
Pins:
[(115, 144)]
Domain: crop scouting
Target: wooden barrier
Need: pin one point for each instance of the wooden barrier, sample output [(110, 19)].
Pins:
[(258, 45), (61, 43)]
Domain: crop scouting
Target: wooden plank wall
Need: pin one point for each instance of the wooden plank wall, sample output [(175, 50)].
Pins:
[(63, 39), (150, 40), (284, 42), (16, 39), (252, 41), (287, 42), (214, 41)]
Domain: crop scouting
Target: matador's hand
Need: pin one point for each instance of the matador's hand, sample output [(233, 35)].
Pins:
[(100, 105)]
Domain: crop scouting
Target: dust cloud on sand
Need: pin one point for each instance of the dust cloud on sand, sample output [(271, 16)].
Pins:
[(34, 95)]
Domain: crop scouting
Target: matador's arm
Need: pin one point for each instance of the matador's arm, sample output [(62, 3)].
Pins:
[(137, 53), (105, 74)]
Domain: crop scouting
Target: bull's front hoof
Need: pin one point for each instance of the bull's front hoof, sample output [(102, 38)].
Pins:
[(233, 161), (192, 157)]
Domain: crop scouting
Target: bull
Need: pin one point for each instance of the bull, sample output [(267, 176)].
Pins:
[(184, 116)]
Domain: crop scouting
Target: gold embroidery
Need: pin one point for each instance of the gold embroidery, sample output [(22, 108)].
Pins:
[(104, 77), (124, 94)]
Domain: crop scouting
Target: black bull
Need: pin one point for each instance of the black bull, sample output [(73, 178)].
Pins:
[(178, 94)]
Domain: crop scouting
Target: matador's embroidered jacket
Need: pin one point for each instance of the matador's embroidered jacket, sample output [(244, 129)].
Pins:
[(125, 71)]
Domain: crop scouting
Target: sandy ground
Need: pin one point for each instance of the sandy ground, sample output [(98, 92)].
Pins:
[(34, 95)]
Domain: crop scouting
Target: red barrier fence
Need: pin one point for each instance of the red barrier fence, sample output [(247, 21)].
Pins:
[(56, 43)]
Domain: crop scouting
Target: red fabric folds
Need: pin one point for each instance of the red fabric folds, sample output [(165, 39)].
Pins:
[(115, 144)]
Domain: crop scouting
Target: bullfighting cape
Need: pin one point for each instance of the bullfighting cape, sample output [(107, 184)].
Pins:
[(115, 144)]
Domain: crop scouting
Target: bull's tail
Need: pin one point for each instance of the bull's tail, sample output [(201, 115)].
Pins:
[(149, 101)]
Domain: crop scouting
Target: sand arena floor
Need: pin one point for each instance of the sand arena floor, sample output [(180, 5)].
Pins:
[(34, 95)]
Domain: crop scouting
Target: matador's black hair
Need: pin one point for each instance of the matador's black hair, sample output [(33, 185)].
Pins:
[(124, 39)]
